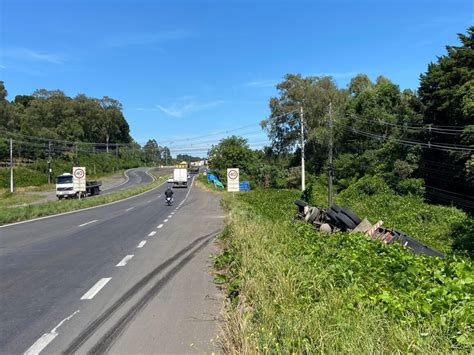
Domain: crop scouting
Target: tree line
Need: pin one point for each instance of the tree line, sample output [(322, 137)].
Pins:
[(419, 141), (51, 126)]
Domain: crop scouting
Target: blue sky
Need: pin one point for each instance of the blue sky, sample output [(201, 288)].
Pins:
[(196, 68)]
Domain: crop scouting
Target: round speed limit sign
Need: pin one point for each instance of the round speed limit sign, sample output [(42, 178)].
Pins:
[(233, 174), (79, 173)]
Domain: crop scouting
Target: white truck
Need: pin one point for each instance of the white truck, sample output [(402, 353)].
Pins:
[(65, 187), (180, 177)]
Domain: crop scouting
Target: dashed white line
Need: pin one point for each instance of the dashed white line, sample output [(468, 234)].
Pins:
[(47, 338), (172, 213), (160, 226), (96, 288), (166, 220), (148, 201), (141, 244), (170, 216), (129, 209), (85, 224), (152, 234), (125, 260)]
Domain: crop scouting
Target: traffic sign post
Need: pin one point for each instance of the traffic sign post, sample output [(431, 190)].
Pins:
[(233, 179), (79, 179)]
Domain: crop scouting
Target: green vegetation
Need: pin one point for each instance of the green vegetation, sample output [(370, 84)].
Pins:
[(419, 142), (294, 290), (8, 199), (79, 131), (10, 215)]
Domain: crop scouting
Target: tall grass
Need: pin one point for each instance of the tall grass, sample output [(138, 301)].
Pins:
[(293, 290)]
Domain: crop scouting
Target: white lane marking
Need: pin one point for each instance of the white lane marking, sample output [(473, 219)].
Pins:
[(96, 288), (148, 201), (125, 260), (172, 213), (47, 338), (85, 224), (152, 234), (160, 226), (82, 209), (129, 209), (170, 216), (166, 220), (141, 244)]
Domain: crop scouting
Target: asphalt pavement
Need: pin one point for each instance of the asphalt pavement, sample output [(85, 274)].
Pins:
[(134, 177), (128, 277)]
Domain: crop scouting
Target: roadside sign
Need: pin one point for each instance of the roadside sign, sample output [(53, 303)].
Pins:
[(233, 180), (244, 186), (79, 178)]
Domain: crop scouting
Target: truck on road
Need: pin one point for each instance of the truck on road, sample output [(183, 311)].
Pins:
[(65, 187), (180, 177)]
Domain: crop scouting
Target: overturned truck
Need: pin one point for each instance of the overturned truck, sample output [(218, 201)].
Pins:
[(341, 219)]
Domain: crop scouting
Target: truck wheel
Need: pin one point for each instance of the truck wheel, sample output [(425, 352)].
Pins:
[(336, 208), (345, 222), (351, 214)]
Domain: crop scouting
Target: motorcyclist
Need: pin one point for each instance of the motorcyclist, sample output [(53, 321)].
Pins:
[(169, 193)]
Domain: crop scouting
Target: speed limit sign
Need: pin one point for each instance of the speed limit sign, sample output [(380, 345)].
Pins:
[(233, 179), (79, 173), (79, 178)]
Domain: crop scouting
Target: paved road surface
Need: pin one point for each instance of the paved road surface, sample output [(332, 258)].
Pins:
[(129, 277), (135, 177)]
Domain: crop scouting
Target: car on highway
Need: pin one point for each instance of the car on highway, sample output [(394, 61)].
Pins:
[(170, 180)]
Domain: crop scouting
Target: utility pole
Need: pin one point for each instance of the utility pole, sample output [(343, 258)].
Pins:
[(93, 158), (11, 165), (330, 168), (49, 162), (302, 150), (77, 160), (107, 144)]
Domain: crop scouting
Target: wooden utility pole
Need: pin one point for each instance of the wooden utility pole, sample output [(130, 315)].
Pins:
[(330, 168), (302, 150)]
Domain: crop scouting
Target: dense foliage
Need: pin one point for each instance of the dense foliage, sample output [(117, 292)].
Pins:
[(50, 126), (421, 142), (299, 291)]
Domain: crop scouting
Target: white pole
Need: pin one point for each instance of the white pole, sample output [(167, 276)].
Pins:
[(330, 168), (302, 150), (11, 165)]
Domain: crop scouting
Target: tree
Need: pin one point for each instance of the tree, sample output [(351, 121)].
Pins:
[(232, 152), (152, 152), (312, 93), (447, 94)]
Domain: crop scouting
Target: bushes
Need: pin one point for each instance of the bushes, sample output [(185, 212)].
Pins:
[(297, 291)]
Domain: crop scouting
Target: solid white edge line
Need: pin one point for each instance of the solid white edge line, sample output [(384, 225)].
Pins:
[(85, 224), (83, 209), (160, 226), (125, 260), (141, 244), (96, 288), (152, 234), (47, 338), (127, 178)]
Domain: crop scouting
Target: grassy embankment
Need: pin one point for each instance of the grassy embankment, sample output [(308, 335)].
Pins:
[(9, 215), (294, 290)]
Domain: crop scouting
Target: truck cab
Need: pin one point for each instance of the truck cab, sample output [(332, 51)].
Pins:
[(64, 186)]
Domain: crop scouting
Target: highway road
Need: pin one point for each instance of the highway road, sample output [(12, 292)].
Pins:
[(134, 177), (129, 277)]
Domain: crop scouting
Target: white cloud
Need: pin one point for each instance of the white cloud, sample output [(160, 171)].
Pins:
[(181, 109), (142, 39), (35, 56), (3, 67), (262, 83)]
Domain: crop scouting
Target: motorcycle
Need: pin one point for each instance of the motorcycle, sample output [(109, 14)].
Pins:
[(169, 201)]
